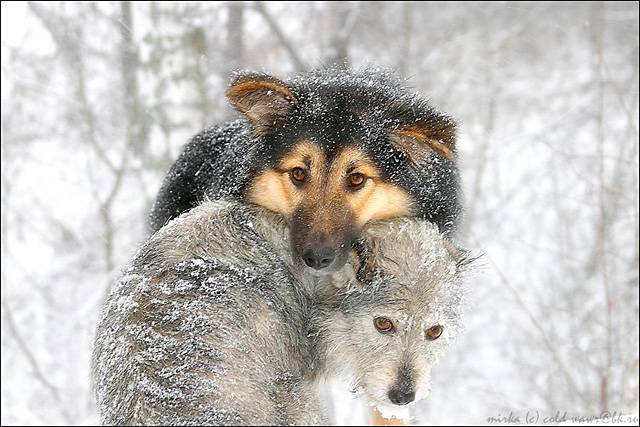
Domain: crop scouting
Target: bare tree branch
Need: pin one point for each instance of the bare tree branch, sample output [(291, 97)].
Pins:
[(543, 334), (35, 367), (68, 43), (602, 232), (298, 62)]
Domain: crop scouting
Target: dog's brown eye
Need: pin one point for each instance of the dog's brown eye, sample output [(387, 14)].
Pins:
[(434, 332), (298, 175), (383, 325), (356, 179)]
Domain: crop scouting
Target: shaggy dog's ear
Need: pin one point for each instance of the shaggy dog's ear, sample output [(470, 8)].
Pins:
[(462, 257), (265, 100), (422, 139)]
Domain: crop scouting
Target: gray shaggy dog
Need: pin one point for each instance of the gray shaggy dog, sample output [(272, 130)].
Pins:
[(213, 324)]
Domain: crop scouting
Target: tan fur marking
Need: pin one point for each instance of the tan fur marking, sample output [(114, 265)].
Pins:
[(299, 153), (377, 419), (285, 191), (409, 140), (380, 201), (377, 199), (271, 190), (326, 192), (353, 157), (367, 169), (274, 189), (242, 89)]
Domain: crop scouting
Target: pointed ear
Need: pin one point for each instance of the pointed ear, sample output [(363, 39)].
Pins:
[(265, 100), (463, 258), (420, 140)]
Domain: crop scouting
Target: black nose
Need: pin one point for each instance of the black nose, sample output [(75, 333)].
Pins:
[(401, 396), (318, 256)]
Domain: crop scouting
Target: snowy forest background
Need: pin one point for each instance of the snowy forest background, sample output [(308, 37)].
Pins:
[(99, 98)]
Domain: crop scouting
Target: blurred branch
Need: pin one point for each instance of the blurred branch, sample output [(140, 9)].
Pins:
[(602, 230), (342, 22), (298, 62), (234, 49), (68, 43), (137, 128), (37, 371), (405, 49), (543, 334), (350, 23)]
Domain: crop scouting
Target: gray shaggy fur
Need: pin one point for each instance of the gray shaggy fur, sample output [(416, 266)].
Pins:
[(212, 324)]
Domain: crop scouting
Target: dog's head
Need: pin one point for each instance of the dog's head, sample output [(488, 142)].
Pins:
[(389, 332), (333, 151)]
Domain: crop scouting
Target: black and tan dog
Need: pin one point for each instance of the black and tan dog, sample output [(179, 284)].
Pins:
[(330, 151)]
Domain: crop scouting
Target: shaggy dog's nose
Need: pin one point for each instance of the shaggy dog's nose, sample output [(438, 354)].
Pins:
[(401, 396), (318, 256)]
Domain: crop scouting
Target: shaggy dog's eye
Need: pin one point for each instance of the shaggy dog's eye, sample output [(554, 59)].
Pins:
[(298, 175), (383, 325), (434, 332), (356, 180)]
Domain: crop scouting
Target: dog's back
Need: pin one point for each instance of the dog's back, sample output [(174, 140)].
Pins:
[(213, 164), (213, 325), (206, 327)]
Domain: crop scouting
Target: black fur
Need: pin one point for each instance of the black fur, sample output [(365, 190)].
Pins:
[(335, 108)]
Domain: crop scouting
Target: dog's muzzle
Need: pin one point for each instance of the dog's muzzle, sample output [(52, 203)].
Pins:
[(401, 395), (318, 256)]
